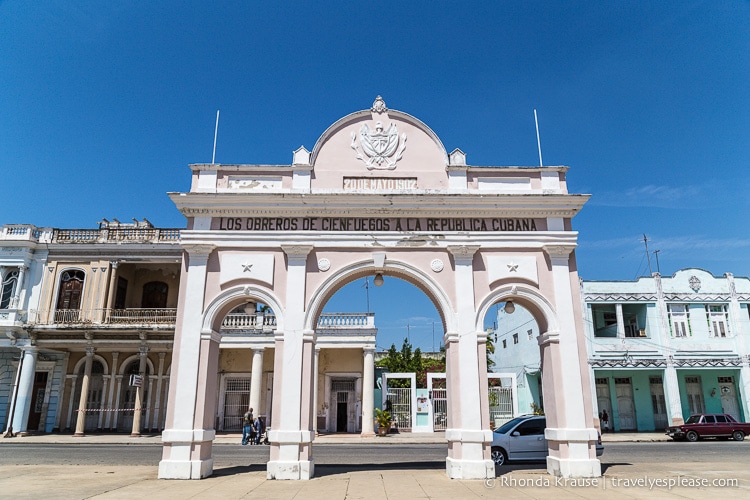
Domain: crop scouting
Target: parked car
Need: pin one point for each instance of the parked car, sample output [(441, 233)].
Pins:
[(709, 425), (522, 439)]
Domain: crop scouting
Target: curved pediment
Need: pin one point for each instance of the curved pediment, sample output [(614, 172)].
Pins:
[(379, 144)]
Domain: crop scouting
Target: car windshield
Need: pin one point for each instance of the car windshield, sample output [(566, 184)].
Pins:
[(694, 419), (507, 426)]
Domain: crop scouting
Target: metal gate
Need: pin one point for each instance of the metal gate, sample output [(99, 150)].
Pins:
[(400, 402), (501, 405), (436, 385), (400, 406), (236, 402)]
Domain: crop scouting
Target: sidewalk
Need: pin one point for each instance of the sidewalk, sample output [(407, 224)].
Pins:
[(344, 439), (670, 478)]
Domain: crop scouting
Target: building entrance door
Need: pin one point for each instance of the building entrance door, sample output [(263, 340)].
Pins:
[(625, 404), (729, 397), (342, 405), (658, 403), (37, 403), (694, 395)]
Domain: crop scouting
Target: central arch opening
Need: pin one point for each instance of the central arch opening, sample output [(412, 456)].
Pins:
[(397, 321)]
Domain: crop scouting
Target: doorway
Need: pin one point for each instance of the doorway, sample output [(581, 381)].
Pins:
[(625, 404), (729, 397), (343, 405), (37, 403)]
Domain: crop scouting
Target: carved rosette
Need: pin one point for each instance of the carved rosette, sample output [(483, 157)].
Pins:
[(324, 264), (437, 265)]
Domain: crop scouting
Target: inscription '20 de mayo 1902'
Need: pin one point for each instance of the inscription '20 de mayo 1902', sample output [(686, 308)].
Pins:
[(375, 224)]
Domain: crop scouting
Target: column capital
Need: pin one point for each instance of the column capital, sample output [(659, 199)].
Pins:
[(199, 251), (90, 350), (463, 253), (297, 252), (368, 350), (143, 350), (561, 252), (114, 263)]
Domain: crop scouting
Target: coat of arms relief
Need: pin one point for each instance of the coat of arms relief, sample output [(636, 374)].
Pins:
[(379, 149)]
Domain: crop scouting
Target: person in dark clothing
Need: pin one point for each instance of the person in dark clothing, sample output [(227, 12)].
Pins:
[(247, 427), (258, 428)]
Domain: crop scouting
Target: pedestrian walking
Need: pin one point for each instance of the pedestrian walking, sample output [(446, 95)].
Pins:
[(259, 428), (247, 427), (604, 417)]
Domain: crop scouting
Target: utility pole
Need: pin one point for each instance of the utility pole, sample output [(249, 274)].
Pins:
[(648, 256), (656, 254)]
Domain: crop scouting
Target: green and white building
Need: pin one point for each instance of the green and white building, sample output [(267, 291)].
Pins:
[(663, 348)]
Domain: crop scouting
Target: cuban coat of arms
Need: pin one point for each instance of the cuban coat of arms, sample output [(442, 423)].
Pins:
[(379, 149)]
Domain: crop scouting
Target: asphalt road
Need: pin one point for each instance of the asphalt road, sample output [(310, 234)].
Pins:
[(353, 457)]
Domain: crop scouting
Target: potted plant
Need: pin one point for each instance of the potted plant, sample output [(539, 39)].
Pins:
[(384, 419)]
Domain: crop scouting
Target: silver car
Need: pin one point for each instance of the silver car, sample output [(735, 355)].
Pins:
[(522, 439)]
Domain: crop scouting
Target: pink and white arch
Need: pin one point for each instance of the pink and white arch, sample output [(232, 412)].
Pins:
[(378, 194)]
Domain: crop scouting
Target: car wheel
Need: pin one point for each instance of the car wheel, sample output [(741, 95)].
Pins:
[(691, 436), (498, 456), (738, 435)]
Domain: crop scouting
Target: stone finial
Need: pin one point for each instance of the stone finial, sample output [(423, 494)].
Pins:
[(379, 105)]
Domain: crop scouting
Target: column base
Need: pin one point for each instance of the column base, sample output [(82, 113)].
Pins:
[(179, 452), (187, 469), (569, 467), (295, 470), (469, 469)]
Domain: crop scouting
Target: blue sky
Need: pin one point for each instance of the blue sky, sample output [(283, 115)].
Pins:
[(647, 103)]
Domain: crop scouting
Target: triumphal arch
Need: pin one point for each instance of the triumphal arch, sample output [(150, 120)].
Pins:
[(377, 196)]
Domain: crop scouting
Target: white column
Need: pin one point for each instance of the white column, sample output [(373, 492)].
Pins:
[(83, 401), (744, 384), (292, 434), (468, 442), (672, 390), (100, 422), (256, 380), (368, 391), (158, 403), (116, 416), (63, 388), (620, 321), (187, 445), (138, 410), (23, 392), (15, 302), (570, 430), (71, 402), (315, 389), (112, 379)]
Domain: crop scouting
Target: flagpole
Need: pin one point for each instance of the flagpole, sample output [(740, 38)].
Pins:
[(216, 132), (538, 142)]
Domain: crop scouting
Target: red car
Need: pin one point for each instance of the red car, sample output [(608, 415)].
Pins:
[(709, 425)]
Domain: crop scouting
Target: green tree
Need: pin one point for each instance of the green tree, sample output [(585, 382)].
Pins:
[(406, 361), (490, 349)]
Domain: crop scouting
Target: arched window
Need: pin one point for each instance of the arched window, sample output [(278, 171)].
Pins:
[(155, 295), (71, 288), (8, 289)]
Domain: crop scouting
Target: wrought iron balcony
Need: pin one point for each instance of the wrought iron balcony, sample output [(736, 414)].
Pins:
[(106, 317)]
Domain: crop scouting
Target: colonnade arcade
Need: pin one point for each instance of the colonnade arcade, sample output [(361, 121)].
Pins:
[(425, 217)]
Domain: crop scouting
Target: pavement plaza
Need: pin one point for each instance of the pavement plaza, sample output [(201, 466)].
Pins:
[(674, 477)]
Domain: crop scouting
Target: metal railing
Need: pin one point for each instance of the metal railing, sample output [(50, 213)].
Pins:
[(132, 316), (122, 234), (140, 316)]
